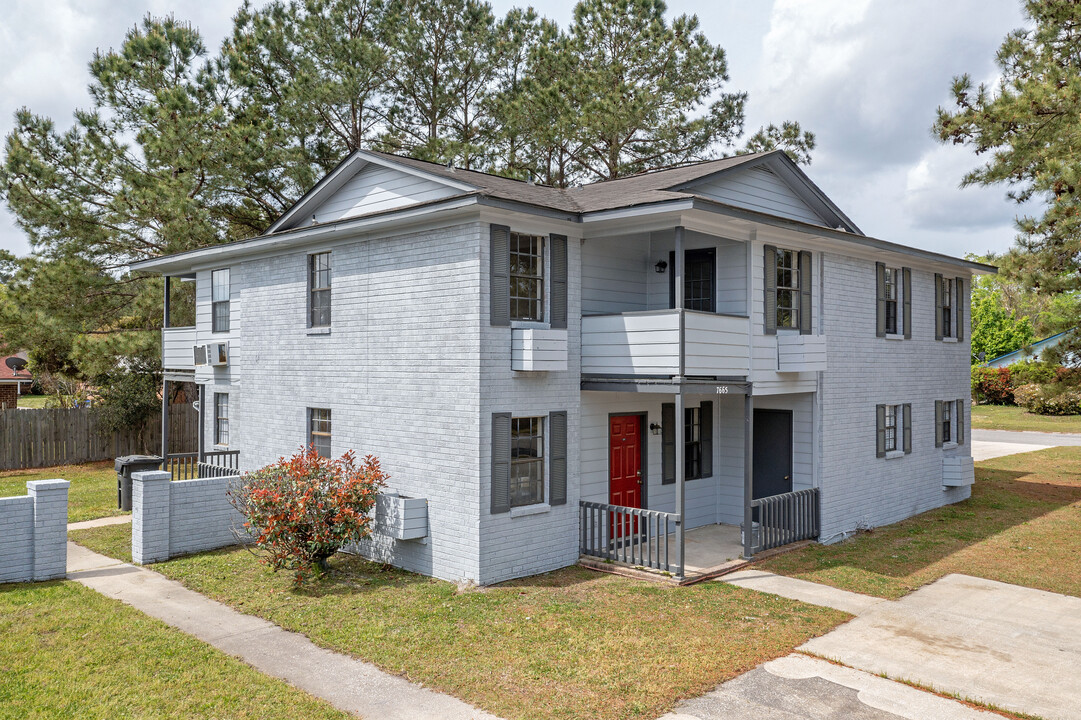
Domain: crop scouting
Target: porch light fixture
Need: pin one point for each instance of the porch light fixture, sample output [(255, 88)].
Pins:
[(661, 266), (655, 428)]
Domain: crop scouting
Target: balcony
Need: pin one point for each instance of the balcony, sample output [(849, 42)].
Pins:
[(177, 345), (665, 343)]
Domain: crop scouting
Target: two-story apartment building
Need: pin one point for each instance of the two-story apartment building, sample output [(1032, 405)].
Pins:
[(599, 370)]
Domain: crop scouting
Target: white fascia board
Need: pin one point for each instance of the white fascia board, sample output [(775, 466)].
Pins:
[(185, 262)]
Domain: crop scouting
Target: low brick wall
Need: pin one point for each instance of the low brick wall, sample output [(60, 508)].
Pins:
[(34, 532), (176, 518)]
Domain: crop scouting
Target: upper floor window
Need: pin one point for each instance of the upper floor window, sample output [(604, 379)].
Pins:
[(526, 277), (699, 279), (787, 279), (221, 418), (788, 289), (219, 300), (319, 430), (319, 289), (949, 307), (526, 461), (894, 300)]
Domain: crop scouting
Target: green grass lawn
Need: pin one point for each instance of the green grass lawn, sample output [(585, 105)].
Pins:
[(92, 493), (1009, 417), (567, 644), (1021, 526), (33, 401), (68, 652)]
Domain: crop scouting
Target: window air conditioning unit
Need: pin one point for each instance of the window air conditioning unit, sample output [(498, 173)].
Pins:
[(215, 354)]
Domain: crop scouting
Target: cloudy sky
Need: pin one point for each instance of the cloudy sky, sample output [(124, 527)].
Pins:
[(864, 75)]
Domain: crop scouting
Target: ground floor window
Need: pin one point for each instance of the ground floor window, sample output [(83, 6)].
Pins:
[(221, 418), (894, 429), (319, 430), (527, 461), (949, 422), (697, 442)]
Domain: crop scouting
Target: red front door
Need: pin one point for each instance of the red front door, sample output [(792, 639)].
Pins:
[(625, 461)]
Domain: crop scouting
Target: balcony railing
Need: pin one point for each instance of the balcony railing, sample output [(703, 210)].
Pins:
[(665, 343), (177, 345), (786, 518), (630, 535)]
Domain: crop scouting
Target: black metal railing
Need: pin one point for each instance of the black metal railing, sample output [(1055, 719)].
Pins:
[(187, 466), (630, 535), (786, 518)]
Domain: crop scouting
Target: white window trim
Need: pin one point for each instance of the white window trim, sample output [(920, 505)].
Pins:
[(536, 509)]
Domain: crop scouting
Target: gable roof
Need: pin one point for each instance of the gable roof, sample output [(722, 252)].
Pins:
[(446, 188)]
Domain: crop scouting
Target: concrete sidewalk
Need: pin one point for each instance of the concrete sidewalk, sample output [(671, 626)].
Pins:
[(991, 642), (347, 683), (100, 522), (987, 444)]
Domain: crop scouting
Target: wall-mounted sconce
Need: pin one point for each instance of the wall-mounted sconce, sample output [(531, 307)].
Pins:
[(661, 266), (655, 428)]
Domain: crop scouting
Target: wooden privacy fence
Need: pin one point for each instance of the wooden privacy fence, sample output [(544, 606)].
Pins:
[(42, 438)]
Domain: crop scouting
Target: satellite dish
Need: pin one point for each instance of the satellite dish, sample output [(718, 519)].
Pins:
[(15, 363)]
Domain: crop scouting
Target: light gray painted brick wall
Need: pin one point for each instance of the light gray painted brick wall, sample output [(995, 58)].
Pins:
[(33, 532), (150, 516), (16, 539), (399, 370), (858, 489), (201, 516), (517, 546), (50, 527)]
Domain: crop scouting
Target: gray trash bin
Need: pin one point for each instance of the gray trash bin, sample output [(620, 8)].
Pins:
[(127, 465)]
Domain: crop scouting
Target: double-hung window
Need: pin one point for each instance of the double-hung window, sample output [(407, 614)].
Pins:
[(890, 291), (788, 286), (697, 442), (319, 430), (526, 277), (221, 418), (526, 461), (319, 290), (894, 301), (219, 300), (894, 430), (949, 422), (949, 307)]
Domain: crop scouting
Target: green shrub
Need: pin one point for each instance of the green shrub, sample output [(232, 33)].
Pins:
[(1035, 372), (1026, 395), (992, 386), (1063, 403)]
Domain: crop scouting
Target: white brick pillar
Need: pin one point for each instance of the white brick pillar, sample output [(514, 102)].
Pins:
[(150, 516), (50, 527)]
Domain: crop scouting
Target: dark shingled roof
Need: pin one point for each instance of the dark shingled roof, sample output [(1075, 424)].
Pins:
[(648, 187)]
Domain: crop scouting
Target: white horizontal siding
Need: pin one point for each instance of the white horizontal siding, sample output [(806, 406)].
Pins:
[(536, 349), (631, 344), (760, 190), (614, 272), (375, 189), (177, 345), (715, 344)]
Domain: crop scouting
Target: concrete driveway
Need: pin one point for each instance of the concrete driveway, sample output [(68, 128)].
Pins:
[(999, 644), (987, 444)]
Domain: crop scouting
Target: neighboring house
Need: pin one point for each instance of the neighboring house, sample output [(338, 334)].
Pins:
[(1032, 352), (532, 361), (15, 380)]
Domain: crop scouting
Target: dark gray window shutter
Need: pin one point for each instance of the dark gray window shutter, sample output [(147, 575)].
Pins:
[(938, 307), (500, 462), (938, 423), (959, 305), (706, 428), (769, 304), (500, 276), (880, 431), (806, 316), (559, 280), (880, 304), (557, 450), (668, 443), (959, 421), (907, 428), (906, 281)]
